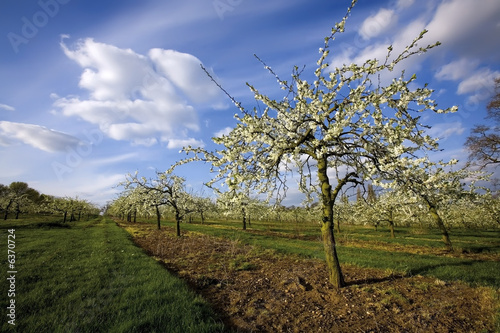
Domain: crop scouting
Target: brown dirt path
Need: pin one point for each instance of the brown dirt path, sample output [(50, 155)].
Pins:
[(254, 290)]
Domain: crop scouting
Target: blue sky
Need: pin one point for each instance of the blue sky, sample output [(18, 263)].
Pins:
[(92, 90)]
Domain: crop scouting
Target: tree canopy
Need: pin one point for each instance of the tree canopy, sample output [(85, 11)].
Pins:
[(346, 127)]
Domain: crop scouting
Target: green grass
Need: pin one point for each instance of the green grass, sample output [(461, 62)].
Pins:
[(475, 272), (90, 277), (474, 241)]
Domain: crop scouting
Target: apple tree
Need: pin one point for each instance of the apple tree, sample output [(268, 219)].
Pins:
[(436, 184), (166, 189), (341, 129)]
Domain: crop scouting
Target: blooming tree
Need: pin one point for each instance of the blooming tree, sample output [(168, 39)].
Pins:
[(389, 208), (436, 184), (17, 197), (343, 128), (235, 200), (130, 202), (166, 189), (202, 205), (69, 205)]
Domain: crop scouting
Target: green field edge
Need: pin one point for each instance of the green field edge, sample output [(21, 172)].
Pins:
[(89, 276)]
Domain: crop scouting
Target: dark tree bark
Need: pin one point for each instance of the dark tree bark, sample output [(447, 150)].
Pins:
[(327, 199), (437, 218), (158, 216), (178, 224), (244, 215)]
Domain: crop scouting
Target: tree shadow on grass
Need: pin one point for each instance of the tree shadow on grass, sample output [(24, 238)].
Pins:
[(369, 281), (36, 225), (475, 272), (427, 270)]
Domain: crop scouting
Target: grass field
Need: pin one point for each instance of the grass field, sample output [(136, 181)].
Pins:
[(89, 277), (413, 251)]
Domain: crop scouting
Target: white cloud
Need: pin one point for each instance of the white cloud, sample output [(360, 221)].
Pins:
[(467, 27), (137, 98), (185, 72), (481, 79), (469, 33), (479, 85), (456, 70), (445, 130), (401, 4), (477, 82), (176, 143), (222, 132), (37, 136), (377, 49), (378, 23), (6, 107)]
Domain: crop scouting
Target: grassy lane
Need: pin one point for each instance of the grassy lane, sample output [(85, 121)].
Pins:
[(90, 277), (475, 272), (472, 240)]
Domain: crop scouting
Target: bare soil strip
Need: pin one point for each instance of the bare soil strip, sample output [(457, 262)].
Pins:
[(260, 291)]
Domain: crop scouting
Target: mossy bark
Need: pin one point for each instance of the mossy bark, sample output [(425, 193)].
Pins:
[(435, 215), (244, 216), (391, 222), (158, 217), (327, 199), (391, 226), (178, 224)]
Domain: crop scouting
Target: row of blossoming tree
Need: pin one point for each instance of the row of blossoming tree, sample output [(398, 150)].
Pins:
[(18, 198), (345, 128)]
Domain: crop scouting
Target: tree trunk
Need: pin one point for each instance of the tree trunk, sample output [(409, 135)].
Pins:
[(391, 223), (178, 224), (158, 217), (391, 226), (332, 261), (65, 215), (244, 218), (446, 238), (7, 211)]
